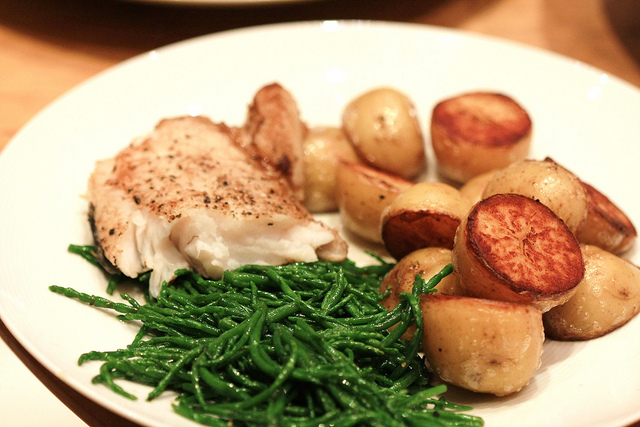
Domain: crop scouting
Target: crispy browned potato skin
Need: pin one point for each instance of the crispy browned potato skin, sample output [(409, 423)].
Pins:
[(324, 148), (383, 127), (362, 194), (478, 132), (606, 226), (482, 345), (513, 248), (425, 215), (607, 298), (546, 181)]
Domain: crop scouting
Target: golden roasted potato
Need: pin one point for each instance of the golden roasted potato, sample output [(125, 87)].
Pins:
[(362, 193), (426, 262), (545, 181), (324, 148), (482, 345), (478, 132), (607, 297), (606, 226), (474, 188), (383, 127), (513, 248), (425, 215)]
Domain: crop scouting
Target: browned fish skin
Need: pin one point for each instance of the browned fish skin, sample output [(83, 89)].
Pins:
[(193, 173), (100, 256), (277, 133), (191, 180)]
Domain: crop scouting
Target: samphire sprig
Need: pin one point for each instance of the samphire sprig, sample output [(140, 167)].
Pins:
[(303, 344)]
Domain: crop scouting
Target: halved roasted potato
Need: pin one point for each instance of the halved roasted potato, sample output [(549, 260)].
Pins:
[(362, 193), (478, 132), (513, 248), (383, 127), (324, 148), (606, 225), (607, 297), (545, 181), (482, 345), (425, 215)]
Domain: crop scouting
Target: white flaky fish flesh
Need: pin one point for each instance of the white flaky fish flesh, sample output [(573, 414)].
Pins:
[(192, 194)]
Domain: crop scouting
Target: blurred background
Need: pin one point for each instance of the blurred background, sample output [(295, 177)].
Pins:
[(49, 46)]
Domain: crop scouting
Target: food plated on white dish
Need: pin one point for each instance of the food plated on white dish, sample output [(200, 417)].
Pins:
[(582, 117)]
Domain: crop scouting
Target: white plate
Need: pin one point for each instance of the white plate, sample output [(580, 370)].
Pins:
[(582, 117)]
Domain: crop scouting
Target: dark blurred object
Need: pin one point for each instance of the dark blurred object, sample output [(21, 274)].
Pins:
[(624, 16)]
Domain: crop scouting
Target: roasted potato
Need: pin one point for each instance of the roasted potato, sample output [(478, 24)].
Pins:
[(482, 345), (324, 148), (545, 181), (425, 215), (383, 127), (362, 193), (607, 297), (606, 225), (426, 262), (478, 132), (474, 188), (513, 248)]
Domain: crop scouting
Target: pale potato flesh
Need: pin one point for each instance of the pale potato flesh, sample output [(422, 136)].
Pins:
[(362, 194), (425, 262), (482, 345), (607, 297), (383, 127), (545, 181), (324, 148), (473, 189)]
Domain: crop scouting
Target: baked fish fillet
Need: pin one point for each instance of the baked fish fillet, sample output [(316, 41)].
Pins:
[(191, 194)]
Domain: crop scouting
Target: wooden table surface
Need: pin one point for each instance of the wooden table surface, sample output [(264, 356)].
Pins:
[(49, 46)]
